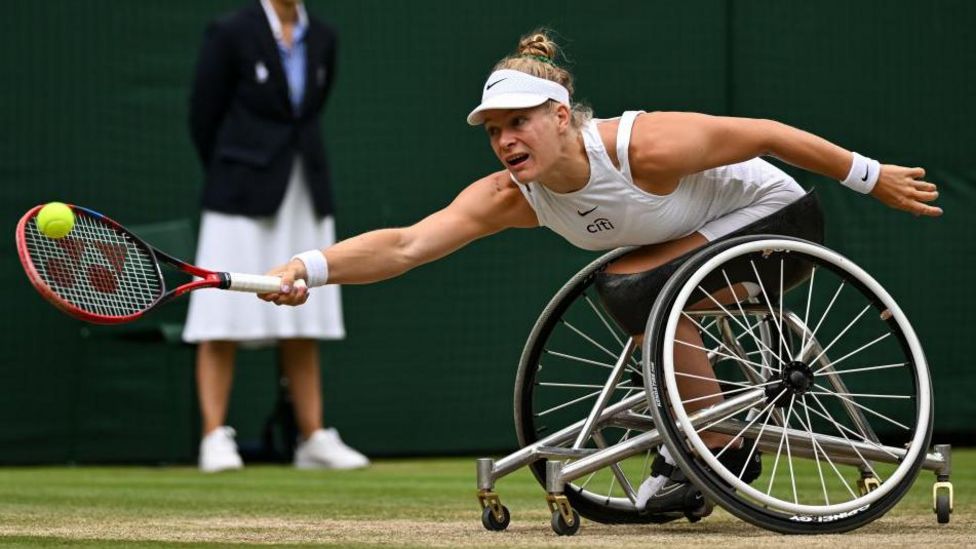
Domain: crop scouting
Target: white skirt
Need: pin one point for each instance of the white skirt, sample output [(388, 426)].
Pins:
[(244, 244)]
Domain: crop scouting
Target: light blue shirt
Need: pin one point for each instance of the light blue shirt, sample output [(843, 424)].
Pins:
[(293, 59)]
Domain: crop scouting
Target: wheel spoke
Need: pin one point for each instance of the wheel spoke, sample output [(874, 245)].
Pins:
[(749, 327), (736, 320), (729, 392), (580, 359), (620, 387), (592, 341), (706, 378), (852, 353), (866, 395), (733, 357), (842, 428), (782, 338), (841, 334), (866, 369), (813, 335), (565, 404), (779, 450), (816, 445), (861, 406), (806, 313), (789, 454), (779, 319), (735, 437), (816, 454), (755, 443), (731, 354), (603, 320)]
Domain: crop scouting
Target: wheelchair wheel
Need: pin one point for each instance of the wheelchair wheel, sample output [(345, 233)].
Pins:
[(837, 397), (564, 365)]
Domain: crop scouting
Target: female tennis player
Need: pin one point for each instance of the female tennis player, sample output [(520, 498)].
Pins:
[(669, 182)]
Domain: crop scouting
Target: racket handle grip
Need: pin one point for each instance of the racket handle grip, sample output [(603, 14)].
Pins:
[(257, 284)]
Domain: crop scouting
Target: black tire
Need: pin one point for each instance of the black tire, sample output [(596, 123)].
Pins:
[(560, 527), (942, 508), (713, 485), (529, 394), (489, 521)]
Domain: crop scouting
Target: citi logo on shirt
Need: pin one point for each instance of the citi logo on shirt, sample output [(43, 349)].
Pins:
[(599, 224)]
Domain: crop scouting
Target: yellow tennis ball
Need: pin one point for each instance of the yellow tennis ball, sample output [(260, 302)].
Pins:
[(55, 220)]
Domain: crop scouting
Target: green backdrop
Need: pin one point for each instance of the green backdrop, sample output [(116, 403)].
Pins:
[(93, 105)]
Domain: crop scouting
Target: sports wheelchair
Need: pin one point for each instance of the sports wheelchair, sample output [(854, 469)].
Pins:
[(825, 380)]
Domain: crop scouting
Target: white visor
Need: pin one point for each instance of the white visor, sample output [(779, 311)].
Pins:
[(508, 89)]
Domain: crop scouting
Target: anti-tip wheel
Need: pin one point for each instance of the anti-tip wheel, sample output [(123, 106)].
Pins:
[(560, 527), (490, 522)]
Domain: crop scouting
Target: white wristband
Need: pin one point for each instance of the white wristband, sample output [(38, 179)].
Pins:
[(316, 267), (863, 175)]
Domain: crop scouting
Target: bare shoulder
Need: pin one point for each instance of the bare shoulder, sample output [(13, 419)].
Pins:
[(656, 138), (498, 200), (653, 129)]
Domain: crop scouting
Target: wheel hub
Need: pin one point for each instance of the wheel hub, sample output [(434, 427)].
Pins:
[(795, 379)]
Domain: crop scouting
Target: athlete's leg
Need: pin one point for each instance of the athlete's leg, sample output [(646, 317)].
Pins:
[(687, 358)]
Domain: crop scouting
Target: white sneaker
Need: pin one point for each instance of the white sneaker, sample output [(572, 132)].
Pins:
[(648, 488), (218, 451), (325, 450)]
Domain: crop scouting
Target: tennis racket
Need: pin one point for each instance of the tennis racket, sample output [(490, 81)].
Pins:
[(103, 273)]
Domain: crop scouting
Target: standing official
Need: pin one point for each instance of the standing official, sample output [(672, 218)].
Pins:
[(262, 78)]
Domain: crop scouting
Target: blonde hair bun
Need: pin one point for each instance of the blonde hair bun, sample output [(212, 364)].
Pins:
[(538, 44)]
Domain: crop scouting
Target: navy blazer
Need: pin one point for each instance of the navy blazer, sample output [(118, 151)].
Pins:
[(243, 125)]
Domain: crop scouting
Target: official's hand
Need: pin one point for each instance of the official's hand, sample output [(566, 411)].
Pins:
[(294, 290), (903, 189)]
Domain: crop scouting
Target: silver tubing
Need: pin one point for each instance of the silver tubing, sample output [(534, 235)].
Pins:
[(943, 465), (841, 450), (530, 453), (485, 480), (645, 441), (631, 420), (554, 482), (608, 388), (604, 458), (559, 452)]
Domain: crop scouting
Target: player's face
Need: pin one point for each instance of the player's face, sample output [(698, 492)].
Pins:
[(526, 141)]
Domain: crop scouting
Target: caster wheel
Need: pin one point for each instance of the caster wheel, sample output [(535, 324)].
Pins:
[(491, 523), (560, 527), (942, 508)]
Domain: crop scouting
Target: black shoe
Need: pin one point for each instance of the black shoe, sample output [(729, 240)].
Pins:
[(735, 460), (677, 495)]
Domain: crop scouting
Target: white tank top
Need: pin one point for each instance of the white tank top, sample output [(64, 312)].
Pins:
[(610, 211)]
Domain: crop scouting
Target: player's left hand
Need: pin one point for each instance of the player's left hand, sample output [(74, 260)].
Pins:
[(903, 189)]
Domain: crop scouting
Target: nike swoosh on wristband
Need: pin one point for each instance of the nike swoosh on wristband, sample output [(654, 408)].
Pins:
[(581, 214), (867, 170), (488, 87)]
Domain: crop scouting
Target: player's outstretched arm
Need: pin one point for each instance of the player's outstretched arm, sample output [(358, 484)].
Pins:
[(676, 144), (485, 207)]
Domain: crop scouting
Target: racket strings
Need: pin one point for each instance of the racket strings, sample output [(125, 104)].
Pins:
[(96, 268)]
